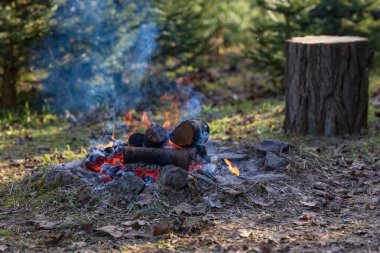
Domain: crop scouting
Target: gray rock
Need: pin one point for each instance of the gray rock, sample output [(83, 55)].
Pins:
[(173, 176), (126, 184), (71, 173), (272, 146), (275, 162), (58, 177)]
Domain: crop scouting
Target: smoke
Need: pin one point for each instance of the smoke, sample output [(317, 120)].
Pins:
[(90, 47), (98, 56)]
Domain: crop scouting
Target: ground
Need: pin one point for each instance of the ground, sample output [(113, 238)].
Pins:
[(328, 201)]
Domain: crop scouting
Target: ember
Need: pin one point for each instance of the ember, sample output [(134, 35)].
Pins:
[(144, 154)]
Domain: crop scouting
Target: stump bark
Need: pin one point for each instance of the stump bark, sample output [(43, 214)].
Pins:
[(326, 85)]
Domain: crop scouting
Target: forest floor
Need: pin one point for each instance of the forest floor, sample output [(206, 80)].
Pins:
[(327, 201)]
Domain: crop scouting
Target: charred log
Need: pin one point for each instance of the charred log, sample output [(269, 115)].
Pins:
[(155, 136), (190, 133), (162, 157), (136, 140)]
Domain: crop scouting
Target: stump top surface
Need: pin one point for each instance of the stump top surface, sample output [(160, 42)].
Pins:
[(326, 39)]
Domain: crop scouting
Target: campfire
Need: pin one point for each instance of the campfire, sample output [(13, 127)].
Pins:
[(145, 154)]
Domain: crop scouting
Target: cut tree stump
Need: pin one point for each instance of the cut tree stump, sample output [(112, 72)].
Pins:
[(326, 85)]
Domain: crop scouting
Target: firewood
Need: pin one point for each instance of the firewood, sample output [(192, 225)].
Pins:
[(155, 136), (136, 140), (190, 133), (158, 156)]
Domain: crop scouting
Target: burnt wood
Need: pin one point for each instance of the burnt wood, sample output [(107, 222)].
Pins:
[(190, 133), (155, 136), (158, 156), (326, 85), (136, 140)]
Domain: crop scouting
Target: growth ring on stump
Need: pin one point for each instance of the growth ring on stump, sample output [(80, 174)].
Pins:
[(326, 85)]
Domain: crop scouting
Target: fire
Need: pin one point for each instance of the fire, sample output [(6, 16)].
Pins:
[(128, 118), (233, 169), (109, 145), (145, 120), (173, 146), (167, 121), (113, 136)]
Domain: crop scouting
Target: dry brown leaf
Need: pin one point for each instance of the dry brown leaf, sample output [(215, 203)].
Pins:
[(111, 230), (134, 224), (160, 229), (231, 191), (244, 233), (183, 208), (43, 222)]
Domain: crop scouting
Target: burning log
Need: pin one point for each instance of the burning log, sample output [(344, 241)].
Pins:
[(155, 136), (190, 133), (136, 140), (162, 157)]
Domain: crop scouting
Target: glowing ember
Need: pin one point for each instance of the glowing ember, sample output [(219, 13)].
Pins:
[(232, 168)]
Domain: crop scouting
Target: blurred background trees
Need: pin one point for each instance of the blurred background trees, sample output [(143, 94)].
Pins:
[(79, 54)]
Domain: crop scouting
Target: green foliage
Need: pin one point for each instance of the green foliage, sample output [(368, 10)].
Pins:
[(274, 21), (21, 23)]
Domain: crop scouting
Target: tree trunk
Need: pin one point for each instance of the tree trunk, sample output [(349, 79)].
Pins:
[(9, 80), (326, 85)]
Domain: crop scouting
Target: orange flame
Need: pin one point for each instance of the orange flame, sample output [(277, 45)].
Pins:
[(145, 120), (113, 136), (233, 169), (128, 118), (167, 121), (173, 145), (109, 145)]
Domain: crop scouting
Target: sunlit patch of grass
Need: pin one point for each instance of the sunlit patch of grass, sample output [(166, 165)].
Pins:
[(248, 120)]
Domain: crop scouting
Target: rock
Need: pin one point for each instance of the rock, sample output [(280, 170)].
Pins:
[(71, 173), (173, 176), (56, 176), (275, 162), (272, 146), (126, 184)]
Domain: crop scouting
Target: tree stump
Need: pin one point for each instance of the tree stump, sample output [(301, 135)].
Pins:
[(326, 85)]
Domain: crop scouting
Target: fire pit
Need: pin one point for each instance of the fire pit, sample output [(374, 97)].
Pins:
[(175, 157), (146, 154)]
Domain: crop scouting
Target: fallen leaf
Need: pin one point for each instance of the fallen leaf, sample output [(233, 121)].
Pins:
[(43, 222), (309, 203), (209, 217), (111, 230), (160, 229), (183, 208), (134, 224), (3, 248), (231, 191), (244, 233), (200, 208), (213, 201)]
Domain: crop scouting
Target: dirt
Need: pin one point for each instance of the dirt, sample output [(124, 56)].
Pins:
[(327, 200)]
